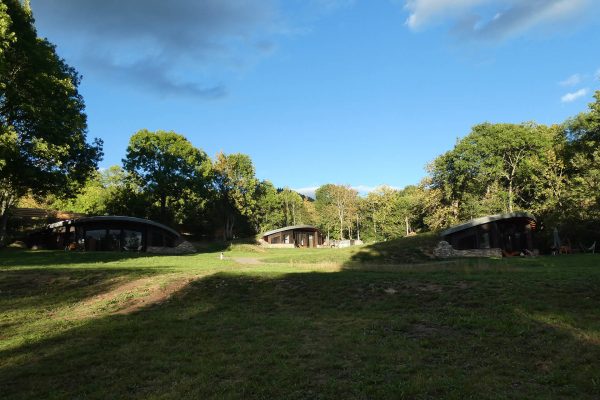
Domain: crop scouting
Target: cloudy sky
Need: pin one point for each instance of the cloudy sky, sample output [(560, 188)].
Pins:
[(359, 92)]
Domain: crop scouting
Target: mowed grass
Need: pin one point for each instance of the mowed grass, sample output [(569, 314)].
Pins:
[(297, 324)]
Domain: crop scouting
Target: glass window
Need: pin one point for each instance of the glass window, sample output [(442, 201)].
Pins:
[(94, 238), (113, 240), (485, 241), (132, 240)]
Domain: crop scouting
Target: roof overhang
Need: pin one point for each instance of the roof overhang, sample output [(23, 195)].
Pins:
[(485, 220), (110, 218), (290, 228)]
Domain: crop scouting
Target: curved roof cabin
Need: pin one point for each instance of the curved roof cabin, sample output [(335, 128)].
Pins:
[(106, 233), (512, 232), (294, 236)]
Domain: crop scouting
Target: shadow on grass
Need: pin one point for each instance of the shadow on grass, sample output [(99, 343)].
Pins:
[(407, 250), (42, 289), (337, 335)]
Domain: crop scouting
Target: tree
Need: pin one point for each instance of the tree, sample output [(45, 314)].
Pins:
[(488, 171), (111, 191), (167, 166), (336, 205), (292, 206), (582, 164), (237, 190), (270, 213), (43, 146), (391, 213)]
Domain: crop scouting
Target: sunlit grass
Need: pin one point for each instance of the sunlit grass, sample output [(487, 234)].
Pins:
[(297, 324)]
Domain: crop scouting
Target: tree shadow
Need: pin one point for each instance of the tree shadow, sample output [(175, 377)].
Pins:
[(408, 250), (44, 290), (349, 334)]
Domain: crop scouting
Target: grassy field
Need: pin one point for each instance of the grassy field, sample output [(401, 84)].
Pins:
[(298, 324)]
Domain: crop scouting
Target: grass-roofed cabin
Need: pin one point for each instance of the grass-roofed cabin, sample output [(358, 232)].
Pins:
[(511, 233), (105, 233), (294, 236)]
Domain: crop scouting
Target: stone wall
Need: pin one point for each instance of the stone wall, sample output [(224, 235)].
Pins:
[(445, 250), (184, 247)]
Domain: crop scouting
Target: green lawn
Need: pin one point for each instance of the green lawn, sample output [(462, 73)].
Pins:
[(298, 324)]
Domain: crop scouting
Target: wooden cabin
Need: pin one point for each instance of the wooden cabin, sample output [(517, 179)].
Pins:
[(294, 236), (105, 233), (511, 233)]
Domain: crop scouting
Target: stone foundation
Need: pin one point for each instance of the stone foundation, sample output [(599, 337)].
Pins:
[(445, 250), (184, 247)]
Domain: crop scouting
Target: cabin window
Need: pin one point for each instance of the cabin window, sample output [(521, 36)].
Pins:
[(94, 238), (286, 239), (275, 240), (485, 240), (467, 242), (132, 240)]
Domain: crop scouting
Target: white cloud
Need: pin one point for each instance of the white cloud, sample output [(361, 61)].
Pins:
[(570, 97), (492, 19), (307, 191), (573, 80), (423, 12)]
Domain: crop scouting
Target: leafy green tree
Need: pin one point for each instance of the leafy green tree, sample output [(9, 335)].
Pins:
[(291, 206), (336, 206), (582, 164), (107, 192), (238, 191), (270, 213), (167, 166), (488, 171), (42, 121), (390, 213)]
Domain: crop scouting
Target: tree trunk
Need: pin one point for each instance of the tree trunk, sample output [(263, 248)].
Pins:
[(374, 224), (7, 201), (229, 224), (3, 223), (163, 207), (510, 196)]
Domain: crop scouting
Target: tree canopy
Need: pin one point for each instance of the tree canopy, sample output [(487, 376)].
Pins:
[(167, 166), (43, 126)]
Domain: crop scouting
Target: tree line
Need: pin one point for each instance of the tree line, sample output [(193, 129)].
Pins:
[(551, 171)]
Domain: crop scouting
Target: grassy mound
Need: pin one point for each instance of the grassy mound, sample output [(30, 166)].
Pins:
[(407, 250)]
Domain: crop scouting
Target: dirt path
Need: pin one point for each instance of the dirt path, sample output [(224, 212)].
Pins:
[(131, 296)]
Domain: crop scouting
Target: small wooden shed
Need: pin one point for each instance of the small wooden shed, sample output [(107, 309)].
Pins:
[(512, 232), (294, 236)]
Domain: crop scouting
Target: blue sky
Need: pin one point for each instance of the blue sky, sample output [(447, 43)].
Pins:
[(359, 92)]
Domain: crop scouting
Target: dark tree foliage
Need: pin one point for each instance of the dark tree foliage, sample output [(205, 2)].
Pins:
[(167, 166), (43, 144)]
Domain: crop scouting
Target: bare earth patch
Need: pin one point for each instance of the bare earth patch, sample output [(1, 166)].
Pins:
[(130, 297)]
